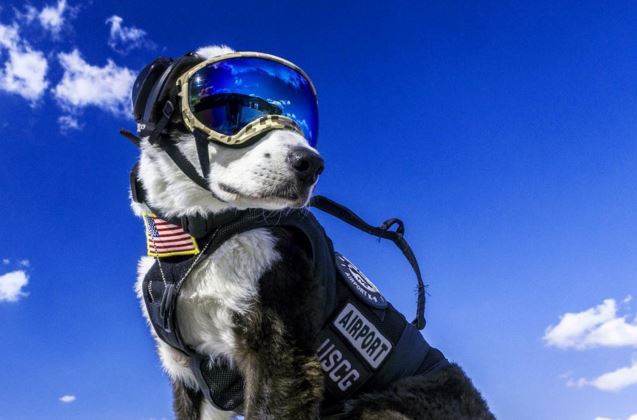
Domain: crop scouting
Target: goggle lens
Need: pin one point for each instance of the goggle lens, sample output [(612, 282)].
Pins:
[(227, 95)]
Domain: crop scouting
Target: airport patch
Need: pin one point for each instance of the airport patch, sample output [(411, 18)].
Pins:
[(363, 335), (359, 283)]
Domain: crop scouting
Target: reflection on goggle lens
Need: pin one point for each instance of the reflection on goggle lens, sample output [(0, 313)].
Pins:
[(227, 95)]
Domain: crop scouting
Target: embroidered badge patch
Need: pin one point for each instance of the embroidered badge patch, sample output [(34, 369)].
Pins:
[(164, 239), (363, 335), (359, 283)]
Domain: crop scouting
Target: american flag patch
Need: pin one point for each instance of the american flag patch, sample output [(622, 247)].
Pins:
[(164, 239)]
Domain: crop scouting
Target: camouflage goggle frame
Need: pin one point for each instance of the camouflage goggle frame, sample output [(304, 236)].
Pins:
[(266, 93)]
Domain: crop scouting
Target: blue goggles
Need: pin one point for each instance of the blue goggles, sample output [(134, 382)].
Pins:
[(235, 97)]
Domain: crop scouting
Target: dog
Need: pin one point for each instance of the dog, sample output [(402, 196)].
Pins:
[(253, 301)]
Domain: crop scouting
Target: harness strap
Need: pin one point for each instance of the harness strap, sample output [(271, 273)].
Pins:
[(396, 236)]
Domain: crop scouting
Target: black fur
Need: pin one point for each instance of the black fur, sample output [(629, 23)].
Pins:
[(279, 339), (445, 394)]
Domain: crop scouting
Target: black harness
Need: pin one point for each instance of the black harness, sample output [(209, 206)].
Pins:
[(365, 343)]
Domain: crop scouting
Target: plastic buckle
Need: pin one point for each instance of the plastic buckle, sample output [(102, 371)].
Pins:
[(168, 109), (165, 307)]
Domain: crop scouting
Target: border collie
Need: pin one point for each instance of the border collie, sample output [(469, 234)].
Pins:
[(236, 303)]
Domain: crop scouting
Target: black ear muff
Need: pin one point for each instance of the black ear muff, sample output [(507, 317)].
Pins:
[(146, 80), (154, 85), (168, 82)]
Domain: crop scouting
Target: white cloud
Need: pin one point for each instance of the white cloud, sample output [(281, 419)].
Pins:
[(214, 50), (52, 18), (617, 379), (69, 123), (24, 72), (12, 286), (67, 398), (124, 39), (595, 327), (83, 84), (633, 417), (9, 35), (24, 263), (613, 381), (6, 261)]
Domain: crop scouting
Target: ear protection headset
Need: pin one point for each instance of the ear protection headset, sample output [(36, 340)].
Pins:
[(153, 89)]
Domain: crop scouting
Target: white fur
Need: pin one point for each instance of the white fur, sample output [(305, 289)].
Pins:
[(245, 169), (214, 50), (225, 282), (209, 412)]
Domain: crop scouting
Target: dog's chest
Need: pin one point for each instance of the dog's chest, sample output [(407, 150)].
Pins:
[(224, 284)]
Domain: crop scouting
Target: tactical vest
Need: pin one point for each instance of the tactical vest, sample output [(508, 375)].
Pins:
[(364, 344)]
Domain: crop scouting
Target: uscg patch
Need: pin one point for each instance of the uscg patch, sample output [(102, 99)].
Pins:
[(359, 283), (344, 371)]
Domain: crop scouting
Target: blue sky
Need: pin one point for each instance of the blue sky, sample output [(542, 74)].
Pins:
[(503, 133)]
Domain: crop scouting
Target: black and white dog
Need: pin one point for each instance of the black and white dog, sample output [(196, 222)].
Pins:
[(252, 301)]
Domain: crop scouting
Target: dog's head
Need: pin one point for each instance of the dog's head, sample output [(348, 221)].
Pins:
[(278, 169)]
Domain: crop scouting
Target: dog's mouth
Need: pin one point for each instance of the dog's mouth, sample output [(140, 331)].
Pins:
[(286, 193)]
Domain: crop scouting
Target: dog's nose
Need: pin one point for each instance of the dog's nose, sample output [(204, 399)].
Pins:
[(306, 164)]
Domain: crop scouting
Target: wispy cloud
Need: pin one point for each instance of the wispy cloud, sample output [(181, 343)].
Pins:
[(67, 398), (69, 123), (83, 85), (633, 417), (24, 72), (600, 326), (124, 39), (12, 286), (52, 17), (610, 381)]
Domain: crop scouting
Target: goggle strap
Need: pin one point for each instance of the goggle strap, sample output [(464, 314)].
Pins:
[(182, 163), (169, 147), (202, 151)]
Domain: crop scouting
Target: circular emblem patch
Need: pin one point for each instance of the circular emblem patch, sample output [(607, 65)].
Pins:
[(359, 283)]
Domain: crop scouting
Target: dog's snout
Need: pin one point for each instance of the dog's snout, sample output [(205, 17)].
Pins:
[(306, 164)]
